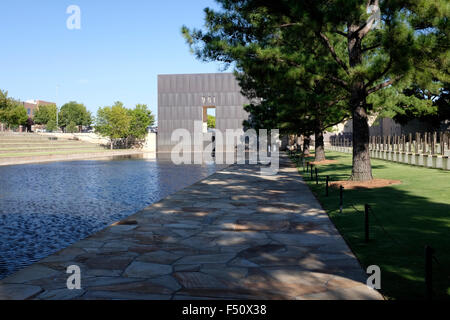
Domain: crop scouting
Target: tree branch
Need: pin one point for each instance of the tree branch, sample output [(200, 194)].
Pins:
[(288, 25), (371, 47), (328, 44), (339, 82), (341, 33), (380, 75), (364, 29), (335, 124), (383, 85), (332, 103)]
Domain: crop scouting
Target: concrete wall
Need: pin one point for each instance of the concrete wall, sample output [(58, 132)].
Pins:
[(150, 143), (85, 137), (149, 146), (181, 99)]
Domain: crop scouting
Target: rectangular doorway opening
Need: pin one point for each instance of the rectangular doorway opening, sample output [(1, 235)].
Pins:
[(209, 119)]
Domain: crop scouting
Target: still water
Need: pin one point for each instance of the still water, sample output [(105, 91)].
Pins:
[(47, 207)]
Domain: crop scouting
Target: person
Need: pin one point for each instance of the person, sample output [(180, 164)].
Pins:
[(29, 125)]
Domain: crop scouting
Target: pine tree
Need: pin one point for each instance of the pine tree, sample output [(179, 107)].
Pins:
[(362, 46)]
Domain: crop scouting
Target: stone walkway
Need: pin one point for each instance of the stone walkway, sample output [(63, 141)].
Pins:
[(235, 235)]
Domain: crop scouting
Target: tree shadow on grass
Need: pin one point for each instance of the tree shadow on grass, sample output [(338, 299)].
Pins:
[(402, 223)]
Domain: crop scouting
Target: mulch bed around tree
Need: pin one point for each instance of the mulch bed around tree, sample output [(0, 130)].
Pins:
[(374, 184), (324, 162)]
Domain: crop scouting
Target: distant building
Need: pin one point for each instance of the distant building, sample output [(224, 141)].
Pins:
[(32, 106)]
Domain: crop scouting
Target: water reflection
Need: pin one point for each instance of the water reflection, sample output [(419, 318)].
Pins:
[(47, 207)]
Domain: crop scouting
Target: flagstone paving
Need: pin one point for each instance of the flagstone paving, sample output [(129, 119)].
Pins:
[(235, 235)]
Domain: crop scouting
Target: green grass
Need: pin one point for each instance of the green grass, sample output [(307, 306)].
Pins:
[(414, 214)]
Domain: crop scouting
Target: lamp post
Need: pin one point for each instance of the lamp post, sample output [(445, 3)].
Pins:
[(57, 110)]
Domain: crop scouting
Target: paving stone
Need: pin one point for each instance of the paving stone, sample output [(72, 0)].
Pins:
[(187, 267), (88, 244), (223, 272), (295, 276), (354, 293), (168, 282), (64, 255), (101, 273), (140, 249), (184, 233), (161, 257), (183, 226), (196, 280), (207, 258), (31, 273), (119, 244), (140, 287), (60, 294), (18, 292), (55, 282), (257, 251), (122, 229), (240, 262), (147, 270), (110, 262), (302, 239), (106, 281)]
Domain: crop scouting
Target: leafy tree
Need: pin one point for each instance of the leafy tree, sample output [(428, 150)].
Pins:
[(140, 119), (76, 113), (13, 113), (51, 125), (358, 53), (301, 104), (5, 101), (16, 116), (211, 122), (113, 122), (118, 122), (406, 111), (72, 128), (45, 114)]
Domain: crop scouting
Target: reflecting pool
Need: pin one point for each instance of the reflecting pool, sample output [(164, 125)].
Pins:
[(47, 207)]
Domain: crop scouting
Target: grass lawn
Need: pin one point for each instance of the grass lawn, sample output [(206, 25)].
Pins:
[(414, 214)]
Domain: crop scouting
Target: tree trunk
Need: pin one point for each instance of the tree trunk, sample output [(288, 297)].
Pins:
[(306, 145), (112, 144), (362, 168), (319, 146)]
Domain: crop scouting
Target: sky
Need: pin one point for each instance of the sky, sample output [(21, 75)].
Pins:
[(116, 55)]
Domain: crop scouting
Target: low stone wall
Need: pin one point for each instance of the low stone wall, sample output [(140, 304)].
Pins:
[(67, 157), (421, 160), (85, 137), (149, 146)]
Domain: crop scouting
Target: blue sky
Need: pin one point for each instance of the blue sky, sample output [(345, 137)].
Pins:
[(121, 48)]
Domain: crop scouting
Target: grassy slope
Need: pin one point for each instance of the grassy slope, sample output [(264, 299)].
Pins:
[(415, 213)]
